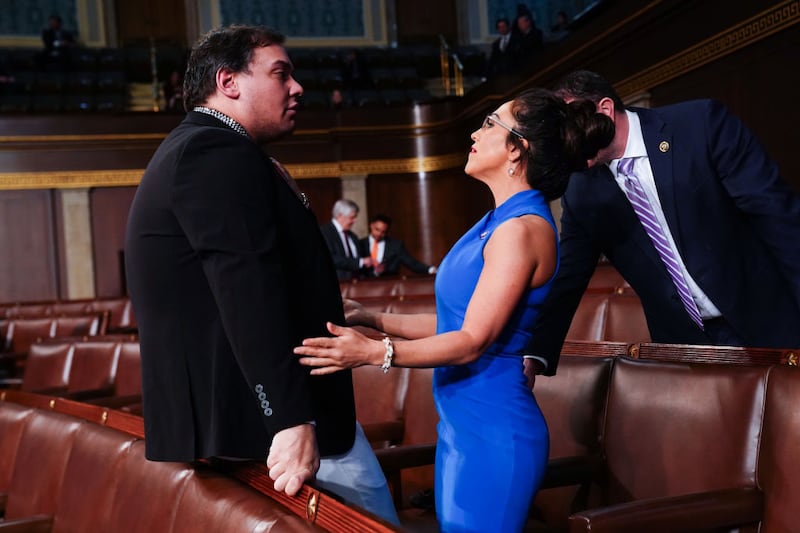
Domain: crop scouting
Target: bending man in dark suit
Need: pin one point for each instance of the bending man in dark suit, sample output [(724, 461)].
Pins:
[(227, 272), (387, 253), (343, 243), (732, 224)]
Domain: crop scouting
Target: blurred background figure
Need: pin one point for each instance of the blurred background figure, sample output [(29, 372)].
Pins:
[(173, 92), (56, 40), (501, 58), (388, 254)]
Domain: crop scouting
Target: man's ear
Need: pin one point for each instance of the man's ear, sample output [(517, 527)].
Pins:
[(606, 107), (226, 83)]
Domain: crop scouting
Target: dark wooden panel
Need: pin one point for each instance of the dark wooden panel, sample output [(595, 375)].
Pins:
[(109, 214), (420, 21), (160, 19), (28, 269), (429, 211), (322, 194), (753, 83)]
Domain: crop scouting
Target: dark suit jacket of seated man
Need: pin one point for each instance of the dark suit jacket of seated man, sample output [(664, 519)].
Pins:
[(389, 254), (343, 243)]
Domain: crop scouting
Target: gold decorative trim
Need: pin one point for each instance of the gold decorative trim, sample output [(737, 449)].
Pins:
[(77, 179), (743, 34), (70, 179), (82, 138)]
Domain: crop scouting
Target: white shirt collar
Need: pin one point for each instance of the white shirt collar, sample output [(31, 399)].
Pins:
[(634, 145)]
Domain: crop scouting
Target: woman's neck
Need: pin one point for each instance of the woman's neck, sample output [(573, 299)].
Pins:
[(507, 188)]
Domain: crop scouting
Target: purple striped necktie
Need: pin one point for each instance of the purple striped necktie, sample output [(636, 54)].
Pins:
[(644, 210)]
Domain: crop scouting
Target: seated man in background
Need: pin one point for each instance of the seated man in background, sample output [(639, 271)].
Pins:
[(343, 243), (388, 254)]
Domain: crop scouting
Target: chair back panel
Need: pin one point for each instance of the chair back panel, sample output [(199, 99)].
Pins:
[(40, 464), (94, 365), (47, 367), (129, 370), (90, 479), (588, 323), (664, 424), (13, 418), (778, 469)]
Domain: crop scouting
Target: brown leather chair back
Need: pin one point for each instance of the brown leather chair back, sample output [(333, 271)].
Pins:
[(778, 469), (94, 365), (588, 323), (673, 429), (90, 479), (13, 418), (40, 464), (47, 367), (379, 402), (129, 370)]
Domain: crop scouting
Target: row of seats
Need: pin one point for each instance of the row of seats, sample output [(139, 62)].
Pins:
[(66, 466), (18, 334), (105, 369), (618, 425), (121, 317)]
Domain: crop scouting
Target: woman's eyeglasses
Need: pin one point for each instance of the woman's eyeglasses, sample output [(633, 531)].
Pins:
[(490, 121)]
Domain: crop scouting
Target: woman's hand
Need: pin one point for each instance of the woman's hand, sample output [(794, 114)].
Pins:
[(357, 315), (348, 349)]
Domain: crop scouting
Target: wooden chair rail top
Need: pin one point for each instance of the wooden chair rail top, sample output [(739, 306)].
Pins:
[(322, 509)]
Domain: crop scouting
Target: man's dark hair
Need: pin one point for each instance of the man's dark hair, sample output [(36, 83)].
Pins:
[(230, 47), (587, 85), (380, 217), (502, 19)]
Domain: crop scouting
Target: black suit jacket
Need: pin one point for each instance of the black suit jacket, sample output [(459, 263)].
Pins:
[(735, 222), (394, 255), (346, 267), (502, 61), (227, 272)]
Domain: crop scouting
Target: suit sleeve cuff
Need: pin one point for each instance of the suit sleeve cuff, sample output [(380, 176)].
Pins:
[(542, 360)]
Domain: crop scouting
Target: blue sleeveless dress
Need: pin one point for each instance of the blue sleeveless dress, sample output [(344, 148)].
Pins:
[(493, 441)]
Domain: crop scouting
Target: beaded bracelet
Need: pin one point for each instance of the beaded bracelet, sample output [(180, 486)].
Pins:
[(387, 355)]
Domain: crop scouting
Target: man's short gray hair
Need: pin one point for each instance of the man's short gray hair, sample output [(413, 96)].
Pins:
[(345, 207)]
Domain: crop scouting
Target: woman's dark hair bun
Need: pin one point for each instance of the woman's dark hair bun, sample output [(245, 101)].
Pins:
[(560, 137), (586, 132)]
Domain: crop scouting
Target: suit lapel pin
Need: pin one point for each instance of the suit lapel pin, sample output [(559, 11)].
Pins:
[(663, 146)]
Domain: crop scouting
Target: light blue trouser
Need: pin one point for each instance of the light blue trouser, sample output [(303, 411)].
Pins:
[(357, 477)]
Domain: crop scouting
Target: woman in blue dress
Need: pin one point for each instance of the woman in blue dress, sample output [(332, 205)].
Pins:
[(492, 445)]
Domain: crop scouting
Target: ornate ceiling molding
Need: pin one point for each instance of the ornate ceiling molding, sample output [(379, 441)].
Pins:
[(76, 179), (747, 32)]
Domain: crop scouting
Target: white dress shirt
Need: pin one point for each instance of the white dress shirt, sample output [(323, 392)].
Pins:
[(641, 166)]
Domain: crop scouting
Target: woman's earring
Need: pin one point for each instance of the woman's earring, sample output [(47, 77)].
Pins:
[(510, 171)]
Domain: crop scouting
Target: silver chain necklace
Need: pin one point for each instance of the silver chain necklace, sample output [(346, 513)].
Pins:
[(228, 121)]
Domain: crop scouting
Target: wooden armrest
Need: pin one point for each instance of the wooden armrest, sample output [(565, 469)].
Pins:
[(83, 395), (51, 391), (391, 432), (567, 471), (399, 457), (31, 524), (721, 509), (115, 402)]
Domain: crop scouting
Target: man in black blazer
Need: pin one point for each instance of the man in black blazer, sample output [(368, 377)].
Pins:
[(734, 225), (343, 243), (387, 253), (227, 272), (502, 57)]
